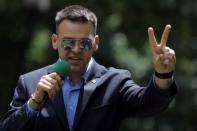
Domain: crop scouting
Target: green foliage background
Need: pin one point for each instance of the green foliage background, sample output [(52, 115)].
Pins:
[(26, 26)]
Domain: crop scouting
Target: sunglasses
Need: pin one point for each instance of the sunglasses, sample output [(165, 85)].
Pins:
[(69, 43)]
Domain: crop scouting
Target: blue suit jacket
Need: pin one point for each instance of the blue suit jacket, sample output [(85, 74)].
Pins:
[(106, 98)]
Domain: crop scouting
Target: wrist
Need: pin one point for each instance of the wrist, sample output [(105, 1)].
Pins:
[(35, 103), (38, 100), (163, 83)]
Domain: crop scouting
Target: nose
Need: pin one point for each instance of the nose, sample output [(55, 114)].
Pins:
[(76, 48)]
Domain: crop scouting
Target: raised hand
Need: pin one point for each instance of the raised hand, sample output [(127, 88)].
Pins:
[(164, 58)]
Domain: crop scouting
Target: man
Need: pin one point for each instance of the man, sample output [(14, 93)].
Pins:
[(91, 97)]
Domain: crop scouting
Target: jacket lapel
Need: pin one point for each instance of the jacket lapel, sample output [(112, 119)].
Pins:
[(58, 105), (88, 89)]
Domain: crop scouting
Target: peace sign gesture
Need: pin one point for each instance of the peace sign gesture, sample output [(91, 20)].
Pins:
[(164, 58)]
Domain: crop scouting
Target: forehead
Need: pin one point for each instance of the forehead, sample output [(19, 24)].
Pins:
[(75, 29)]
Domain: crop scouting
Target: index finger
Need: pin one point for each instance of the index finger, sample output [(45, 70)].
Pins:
[(152, 38), (165, 35), (55, 76)]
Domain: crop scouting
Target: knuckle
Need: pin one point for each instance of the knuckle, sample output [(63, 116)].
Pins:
[(43, 77)]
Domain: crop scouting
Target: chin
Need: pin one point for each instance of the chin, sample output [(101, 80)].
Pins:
[(76, 69)]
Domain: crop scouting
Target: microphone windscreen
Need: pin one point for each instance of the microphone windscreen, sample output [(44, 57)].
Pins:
[(62, 67)]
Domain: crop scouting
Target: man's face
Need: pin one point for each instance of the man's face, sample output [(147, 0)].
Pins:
[(70, 41)]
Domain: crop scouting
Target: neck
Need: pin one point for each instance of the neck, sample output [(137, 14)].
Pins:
[(75, 77)]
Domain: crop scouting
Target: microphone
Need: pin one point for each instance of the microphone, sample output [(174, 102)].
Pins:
[(62, 68)]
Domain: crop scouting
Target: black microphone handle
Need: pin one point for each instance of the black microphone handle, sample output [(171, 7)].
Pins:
[(46, 97)]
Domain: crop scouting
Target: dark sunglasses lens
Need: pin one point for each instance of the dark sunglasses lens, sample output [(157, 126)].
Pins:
[(87, 44), (68, 43)]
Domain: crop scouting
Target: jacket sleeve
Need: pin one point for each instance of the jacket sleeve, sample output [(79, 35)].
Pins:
[(18, 118), (144, 101)]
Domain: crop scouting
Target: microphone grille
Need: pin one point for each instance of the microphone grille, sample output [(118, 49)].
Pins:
[(61, 67)]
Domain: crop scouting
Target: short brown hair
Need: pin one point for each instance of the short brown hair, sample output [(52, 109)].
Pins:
[(76, 13)]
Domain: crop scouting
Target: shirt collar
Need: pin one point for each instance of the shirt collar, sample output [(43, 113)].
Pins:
[(88, 70)]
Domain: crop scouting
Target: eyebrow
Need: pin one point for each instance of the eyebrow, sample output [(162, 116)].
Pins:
[(67, 38), (77, 38)]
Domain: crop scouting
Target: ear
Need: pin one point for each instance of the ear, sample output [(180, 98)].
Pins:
[(97, 41), (54, 40)]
